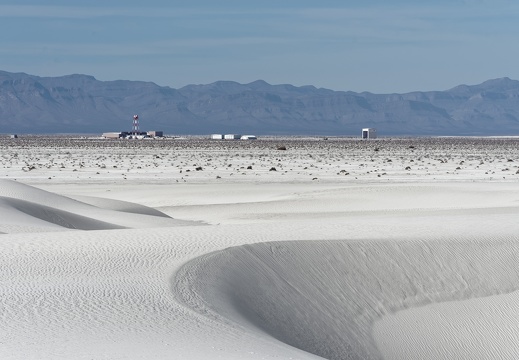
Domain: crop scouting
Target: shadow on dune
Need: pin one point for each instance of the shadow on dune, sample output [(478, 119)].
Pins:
[(324, 296), (58, 217)]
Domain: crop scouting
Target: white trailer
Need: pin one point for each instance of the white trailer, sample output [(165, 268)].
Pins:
[(232, 137)]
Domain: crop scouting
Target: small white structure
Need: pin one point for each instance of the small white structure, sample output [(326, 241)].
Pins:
[(14, 136), (216, 136), (248, 137), (155, 133), (113, 135), (232, 137), (369, 133)]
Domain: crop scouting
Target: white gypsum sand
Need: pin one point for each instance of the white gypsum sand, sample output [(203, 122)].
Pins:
[(398, 248)]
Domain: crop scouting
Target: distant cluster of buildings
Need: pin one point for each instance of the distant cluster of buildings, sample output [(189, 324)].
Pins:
[(160, 134), (133, 135), (366, 134), (232, 137)]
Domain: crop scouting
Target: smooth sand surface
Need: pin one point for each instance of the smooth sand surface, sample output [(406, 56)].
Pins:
[(390, 249)]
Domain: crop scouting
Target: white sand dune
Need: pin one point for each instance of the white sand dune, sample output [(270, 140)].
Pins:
[(281, 269), (21, 204), (323, 296)]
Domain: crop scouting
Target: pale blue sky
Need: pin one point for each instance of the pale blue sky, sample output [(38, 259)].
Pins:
[(358, 45)]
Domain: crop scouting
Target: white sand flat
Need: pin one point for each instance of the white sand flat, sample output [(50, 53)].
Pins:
[(267, 266)]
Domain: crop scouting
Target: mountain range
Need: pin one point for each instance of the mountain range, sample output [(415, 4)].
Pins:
[(81, 104)]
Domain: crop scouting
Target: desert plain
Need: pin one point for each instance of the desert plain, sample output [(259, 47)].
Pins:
[(278, 248)]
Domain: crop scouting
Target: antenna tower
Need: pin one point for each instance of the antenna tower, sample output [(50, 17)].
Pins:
[(135, 127)]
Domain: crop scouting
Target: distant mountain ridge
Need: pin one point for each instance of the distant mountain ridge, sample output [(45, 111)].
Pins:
[(82, 104)]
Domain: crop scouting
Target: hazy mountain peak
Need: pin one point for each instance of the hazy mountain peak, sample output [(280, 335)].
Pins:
[(78, 77), (258, 84), (504, 83), (499, 84)]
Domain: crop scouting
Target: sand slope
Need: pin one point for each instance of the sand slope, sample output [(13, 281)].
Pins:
[(323, 296)]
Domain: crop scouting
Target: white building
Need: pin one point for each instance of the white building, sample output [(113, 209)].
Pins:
[(248, 137), (216, 136), (232, 137), (113, 135), (369, 133)]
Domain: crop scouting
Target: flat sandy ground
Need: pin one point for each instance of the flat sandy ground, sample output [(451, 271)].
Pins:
[(198, 249)]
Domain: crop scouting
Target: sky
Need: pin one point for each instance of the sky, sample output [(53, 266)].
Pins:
[(391, 46)]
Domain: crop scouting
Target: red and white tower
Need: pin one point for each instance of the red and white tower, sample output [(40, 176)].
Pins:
[(135, 128)]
